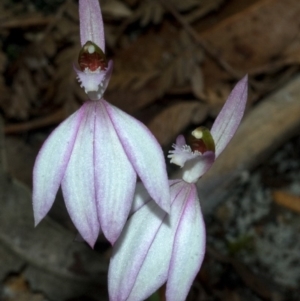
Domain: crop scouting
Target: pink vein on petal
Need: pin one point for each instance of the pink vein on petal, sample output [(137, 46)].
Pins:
[(186, 261), (115, 177), (78, 184), (91, 23), (144, 153), (159, 251), (122, 272), (51, 163), (230, 116)]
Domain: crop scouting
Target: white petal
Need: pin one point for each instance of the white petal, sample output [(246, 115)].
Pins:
[(197, 167), (144, 153), (230, 116), (91, 23), (78, 184), (51, 163), (154, 271), (115, 177), (188, 250), (140, 260)]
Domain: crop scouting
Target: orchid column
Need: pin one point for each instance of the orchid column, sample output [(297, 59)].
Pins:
[(156, 248), (97, 153)]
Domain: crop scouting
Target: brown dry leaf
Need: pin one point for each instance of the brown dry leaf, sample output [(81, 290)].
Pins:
[(230, 295), (173, 120), (71, 10), (205, 7), (144, 57), (64, 80), (252, 37), (216, 97), (154, 64), (24, 92), (16, 288), (183, 66), (151, 11), (178, 68), (5, 14), (198, 82), (116, 9), (185, 5), (287, 200)]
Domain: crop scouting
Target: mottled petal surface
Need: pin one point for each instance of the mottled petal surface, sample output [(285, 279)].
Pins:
[(197, 167), (51, 163), (188, 250), (78, 184), (230, 116), (91, 23), (144, 153), (115, 178), (144, 249)]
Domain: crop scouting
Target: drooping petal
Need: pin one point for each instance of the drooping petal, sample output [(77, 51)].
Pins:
[(188, 250), (78, 184), (91, 23), (144, 153), (154, 270), (144, 248), (230, 116), (197, 167), (114, 175), (51, 163)]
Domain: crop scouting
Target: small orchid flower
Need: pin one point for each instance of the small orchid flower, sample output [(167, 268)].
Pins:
[(97, 153), (169, 248)]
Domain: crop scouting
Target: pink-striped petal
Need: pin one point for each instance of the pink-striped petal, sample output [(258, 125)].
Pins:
[(78, 184), (114, 175), (188, 250), (144, 249), (51, 163), (230, 116), (91, 23), (144, 153)]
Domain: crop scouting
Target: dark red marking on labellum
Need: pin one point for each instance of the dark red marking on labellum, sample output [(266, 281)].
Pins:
[(201, 140), (91, 57), (198, 145)]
